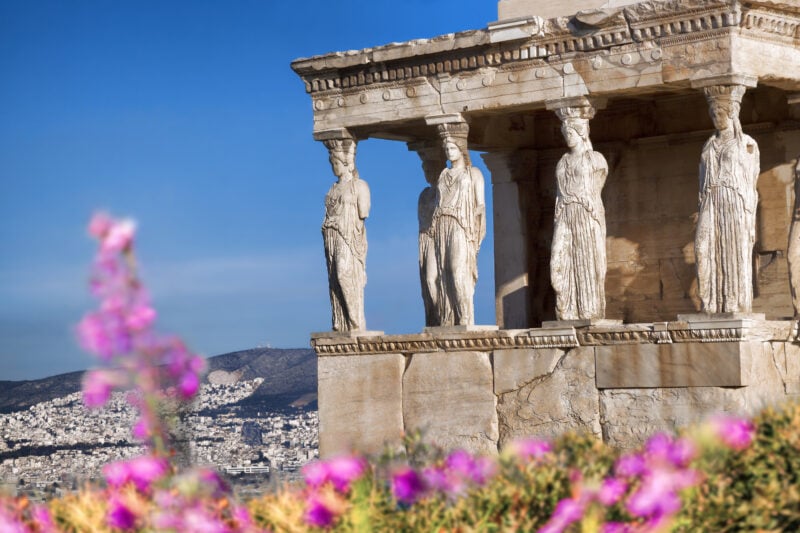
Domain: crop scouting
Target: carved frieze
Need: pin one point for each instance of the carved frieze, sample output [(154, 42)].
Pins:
[(566, 337)]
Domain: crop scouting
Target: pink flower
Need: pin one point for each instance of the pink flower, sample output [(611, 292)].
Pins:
[(117, 473), (147, 469), (197, 520), (531, 449), (317, 514), (189, 385), (340, 471), (407, 485), (10, 524), (736, 433), (119, 515), (630, 465), (119, 236), (100, 224), (611, 491), (476, 470), (567, 511), (97, 387), (682, 452), (43, 519), (140, 317), (616, 527)]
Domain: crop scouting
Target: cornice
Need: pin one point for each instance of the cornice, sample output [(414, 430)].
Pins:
[(655, 22), (566, 337)]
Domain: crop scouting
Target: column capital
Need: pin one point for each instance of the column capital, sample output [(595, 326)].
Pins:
[(727, 79), (337, 134), (447, 119), (580, 102)]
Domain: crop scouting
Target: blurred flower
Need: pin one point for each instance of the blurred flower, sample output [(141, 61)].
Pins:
[(407, 485), (567, 512), (340, 471), (97, 387), (736, 433), (118, 237), (99, 225), (142, 471), (317, 514), (119, 515), (629, 465), (611, 491), (530, 449)]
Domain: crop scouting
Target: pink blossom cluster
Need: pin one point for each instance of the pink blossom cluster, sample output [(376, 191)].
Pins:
[(121, 333), (327, 485), (18, 515), (195, 500), (452, 478), (647, 485)]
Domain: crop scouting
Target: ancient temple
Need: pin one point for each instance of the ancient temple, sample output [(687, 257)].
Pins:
[(680, 119)]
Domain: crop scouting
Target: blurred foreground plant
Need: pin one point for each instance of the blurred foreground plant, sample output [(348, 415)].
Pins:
[(159, 369)]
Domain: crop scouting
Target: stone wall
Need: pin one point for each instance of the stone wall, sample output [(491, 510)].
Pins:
[(479, 391)]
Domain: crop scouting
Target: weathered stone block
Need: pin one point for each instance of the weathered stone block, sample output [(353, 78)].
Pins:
[(630, 416), (549, 404), (712, 364), (449, 396), (514, 369), (360, 403)]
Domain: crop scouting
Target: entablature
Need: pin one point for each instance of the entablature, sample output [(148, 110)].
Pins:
[(643, 48)]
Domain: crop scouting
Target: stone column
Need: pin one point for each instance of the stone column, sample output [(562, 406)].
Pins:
[(728, 199), (459, 225), (344, 234), (433, 161), (511, 171), (578, 255)]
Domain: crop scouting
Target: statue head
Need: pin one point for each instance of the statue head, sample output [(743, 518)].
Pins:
[(575, 125), (454, 141), (342, 156), (724, 104)]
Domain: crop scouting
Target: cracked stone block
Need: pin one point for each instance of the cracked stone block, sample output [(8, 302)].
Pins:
[(449, 395), (360, 403), (515, 368), (548, 404)]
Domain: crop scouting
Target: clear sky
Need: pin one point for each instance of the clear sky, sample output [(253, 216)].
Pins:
[(186, 116)]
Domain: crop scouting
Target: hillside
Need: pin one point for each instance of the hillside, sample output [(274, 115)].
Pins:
[(290, 380)]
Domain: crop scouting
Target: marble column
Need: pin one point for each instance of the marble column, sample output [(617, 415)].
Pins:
[(433, 161), (511, 171), (458, 224), (728, 199), (578, 255), (344, 234)]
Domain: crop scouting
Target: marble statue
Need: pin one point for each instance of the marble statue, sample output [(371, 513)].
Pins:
[(578, 256), (345, 237), (794, 244), (428, 272), (459, 226), (726, 224)]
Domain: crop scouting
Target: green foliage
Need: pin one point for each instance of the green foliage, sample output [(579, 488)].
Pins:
[(757, 489)]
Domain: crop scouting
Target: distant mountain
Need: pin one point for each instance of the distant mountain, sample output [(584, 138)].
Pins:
[(290, 380)]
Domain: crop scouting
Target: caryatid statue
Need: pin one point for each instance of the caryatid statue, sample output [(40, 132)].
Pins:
[(578, 254), (726, 223), (345, 237), (433, 160), (459, 226), (794, 244)]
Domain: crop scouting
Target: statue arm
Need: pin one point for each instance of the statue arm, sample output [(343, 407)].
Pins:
[(601, 170), (363, 199), (480, 201)]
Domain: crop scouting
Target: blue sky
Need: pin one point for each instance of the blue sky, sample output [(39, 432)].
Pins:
[(187, 117)]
